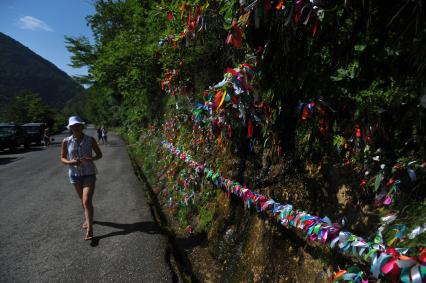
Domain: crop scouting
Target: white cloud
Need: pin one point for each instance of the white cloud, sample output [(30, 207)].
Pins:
[(32, 23)]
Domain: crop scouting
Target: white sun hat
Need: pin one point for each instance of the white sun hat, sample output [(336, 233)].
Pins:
[(73, 120)]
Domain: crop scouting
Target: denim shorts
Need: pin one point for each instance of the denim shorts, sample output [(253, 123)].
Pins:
[(85, 180)]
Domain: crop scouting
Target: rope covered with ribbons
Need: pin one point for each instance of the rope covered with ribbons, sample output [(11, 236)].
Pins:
[(392, 263)]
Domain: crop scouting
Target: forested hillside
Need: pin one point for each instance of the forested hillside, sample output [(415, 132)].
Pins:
[(21, 70), (283, 141)]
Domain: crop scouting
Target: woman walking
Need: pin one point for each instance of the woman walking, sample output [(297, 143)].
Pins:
[(77, 152)]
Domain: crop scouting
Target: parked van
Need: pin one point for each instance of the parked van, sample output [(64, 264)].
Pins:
[(12, 136), (34, 132)]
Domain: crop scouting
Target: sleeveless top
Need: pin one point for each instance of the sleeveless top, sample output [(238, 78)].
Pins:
[(79, 150)]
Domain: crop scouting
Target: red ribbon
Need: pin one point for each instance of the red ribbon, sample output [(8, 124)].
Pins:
[(218, 98), (358, 132), (250, 129), (170, 16), (235, 36)]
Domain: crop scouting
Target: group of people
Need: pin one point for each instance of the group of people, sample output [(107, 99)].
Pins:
[(102, 135)]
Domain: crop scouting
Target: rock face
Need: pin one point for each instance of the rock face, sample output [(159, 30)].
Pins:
[(253, 249), (23, 70)]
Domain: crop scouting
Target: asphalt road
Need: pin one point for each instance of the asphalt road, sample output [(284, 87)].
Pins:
[(41, 239)]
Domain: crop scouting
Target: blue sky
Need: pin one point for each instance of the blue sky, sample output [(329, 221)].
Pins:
[(42, 24)]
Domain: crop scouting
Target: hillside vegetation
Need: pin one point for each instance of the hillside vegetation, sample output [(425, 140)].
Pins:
[(23, 71), (283, 140)]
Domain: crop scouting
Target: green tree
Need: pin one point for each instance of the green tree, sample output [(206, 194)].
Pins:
[(123, 66), (28, 107)]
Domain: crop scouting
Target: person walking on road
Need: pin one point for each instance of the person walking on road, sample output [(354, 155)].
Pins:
[(46, 137), (105, 135), (77, 152), (99, 132)]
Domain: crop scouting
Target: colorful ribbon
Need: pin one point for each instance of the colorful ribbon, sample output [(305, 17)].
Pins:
[(385, 262)]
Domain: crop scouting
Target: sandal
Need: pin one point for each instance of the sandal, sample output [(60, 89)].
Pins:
[(89, 235)]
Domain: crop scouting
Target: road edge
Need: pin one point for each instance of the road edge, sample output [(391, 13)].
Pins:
[(175, 257)]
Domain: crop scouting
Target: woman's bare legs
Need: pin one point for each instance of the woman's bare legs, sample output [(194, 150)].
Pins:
[(87, 201), (79, 189)]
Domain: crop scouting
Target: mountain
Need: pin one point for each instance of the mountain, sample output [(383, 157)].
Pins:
[(23, 70)]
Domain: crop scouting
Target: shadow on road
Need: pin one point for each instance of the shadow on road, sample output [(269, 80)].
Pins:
[(6, 160), (125, 229), (21, 150)]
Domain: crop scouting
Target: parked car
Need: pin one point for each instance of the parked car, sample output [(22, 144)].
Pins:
[(34, 132), (12, 136)]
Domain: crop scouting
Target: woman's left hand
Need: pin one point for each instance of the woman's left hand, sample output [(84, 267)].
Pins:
[(86, 159)]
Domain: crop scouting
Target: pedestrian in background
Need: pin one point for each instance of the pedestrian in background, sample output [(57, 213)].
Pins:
[(46, 137), (105, 135), (77, 152), (99, 131)]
